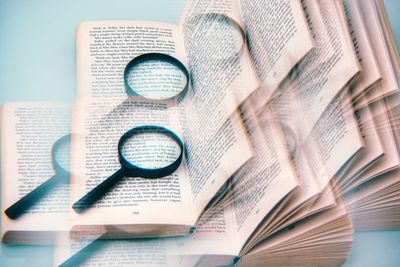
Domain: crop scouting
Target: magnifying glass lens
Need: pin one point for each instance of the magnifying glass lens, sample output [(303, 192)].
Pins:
[(151, 150), (156, 79), (229, 37), (223, 37)]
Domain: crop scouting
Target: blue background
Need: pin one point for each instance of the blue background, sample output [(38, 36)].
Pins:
[(37, 63)]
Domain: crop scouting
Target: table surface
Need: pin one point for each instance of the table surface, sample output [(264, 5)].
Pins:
[(37, 52)]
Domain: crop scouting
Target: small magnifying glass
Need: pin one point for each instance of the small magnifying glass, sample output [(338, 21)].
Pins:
[(146, 151), (223, 37), (156, 76), (60, 155)]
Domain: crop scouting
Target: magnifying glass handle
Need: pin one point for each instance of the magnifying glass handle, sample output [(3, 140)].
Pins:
[(81, 256), (20, 207), (96, 193)]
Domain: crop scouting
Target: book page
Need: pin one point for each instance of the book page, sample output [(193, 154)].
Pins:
[(334, 141), (222, 78), (389, 38), (319, 203), (305, 200), (327, 234), (313, 178), (215, 235), (278, 37), (265, 179), (374, 202), (257, 187), (28, 132), (213, 153), (371, 20), (219, 61), (99, 124), (212, 133), (370, 72), (328, 68), (390, 159), (104, 48), (393, 107), (367, 191), (371, 151)]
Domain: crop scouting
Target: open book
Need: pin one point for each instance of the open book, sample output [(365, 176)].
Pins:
[(370, 181), (222, 77), (235, 230), (268, 126), (289, 188)]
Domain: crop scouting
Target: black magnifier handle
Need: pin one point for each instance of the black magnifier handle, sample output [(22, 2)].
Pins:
[(20, 207), (81, 256), (96, 193)]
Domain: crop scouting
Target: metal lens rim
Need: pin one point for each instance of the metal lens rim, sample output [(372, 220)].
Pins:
[(134, 170), (196, 18), (155, 56), (57, 145)]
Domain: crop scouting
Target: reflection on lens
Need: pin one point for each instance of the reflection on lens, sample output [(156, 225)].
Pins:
[(62, 155), (151, 150), (156, 79)]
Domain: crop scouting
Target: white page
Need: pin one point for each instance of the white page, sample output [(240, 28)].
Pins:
[(372, 149), (207, 125), (370, 72), (266, 179), (278, 38), (355, 198), (383, 214), (217, 144), (393, 107), (215, 235), (389, 38), (324, 72), (220, 65), (334, 140), (301, 243), (258, 186), (390, 159), (105, 47), (371, 20), (213, 154)]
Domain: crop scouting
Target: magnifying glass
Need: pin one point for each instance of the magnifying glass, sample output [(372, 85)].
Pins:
[(220, 37), (60, 155), (146, 151), (156, 76)]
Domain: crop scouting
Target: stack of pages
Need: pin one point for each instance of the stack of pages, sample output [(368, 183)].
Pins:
[(290, 133)]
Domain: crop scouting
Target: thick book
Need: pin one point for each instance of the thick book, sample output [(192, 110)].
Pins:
[(222, 77), (272, 185), (269, 127)]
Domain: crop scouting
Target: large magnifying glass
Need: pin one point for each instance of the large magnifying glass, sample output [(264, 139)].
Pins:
[(220, 37), (146, 151), (156, 76), (60, 154)]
